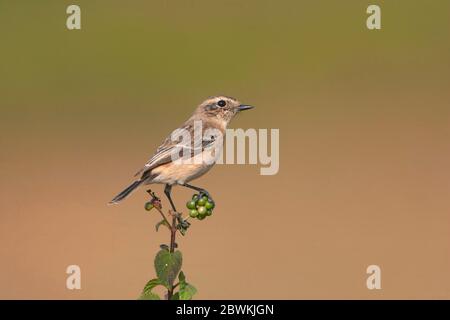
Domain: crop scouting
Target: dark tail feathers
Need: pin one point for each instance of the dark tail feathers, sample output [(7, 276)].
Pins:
[(126, 192)]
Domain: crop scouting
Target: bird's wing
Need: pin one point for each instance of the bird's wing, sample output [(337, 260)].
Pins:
[(165, 151), (162, 155)]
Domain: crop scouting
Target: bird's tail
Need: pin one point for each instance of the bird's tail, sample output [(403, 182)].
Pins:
[(125, 193)]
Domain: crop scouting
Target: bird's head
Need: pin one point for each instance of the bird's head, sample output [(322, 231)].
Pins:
[(221, 108)]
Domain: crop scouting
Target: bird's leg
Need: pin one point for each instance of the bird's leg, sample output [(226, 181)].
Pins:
[(202, 192), (167, 191)]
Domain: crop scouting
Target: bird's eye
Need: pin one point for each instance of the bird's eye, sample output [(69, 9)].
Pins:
[(221, 103)]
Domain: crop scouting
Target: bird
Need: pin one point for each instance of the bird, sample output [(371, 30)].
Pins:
[(213, 114)]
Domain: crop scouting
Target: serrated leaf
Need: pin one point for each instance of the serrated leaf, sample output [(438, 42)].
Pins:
[(162, 222), (167, 266), (147, 293), (187, 292)]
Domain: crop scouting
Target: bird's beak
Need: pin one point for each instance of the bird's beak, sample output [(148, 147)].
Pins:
[(243, 107)]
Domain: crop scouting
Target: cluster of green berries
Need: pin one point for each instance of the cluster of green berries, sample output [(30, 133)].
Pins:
[(200, 208)]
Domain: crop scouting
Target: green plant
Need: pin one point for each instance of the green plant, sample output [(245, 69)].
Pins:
[(168, 261)]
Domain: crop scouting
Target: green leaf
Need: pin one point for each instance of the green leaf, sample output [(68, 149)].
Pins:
[(182, 277), (167, 266), (147, 293), (149, 296), (176, 296), (187, 292), (162, 222)]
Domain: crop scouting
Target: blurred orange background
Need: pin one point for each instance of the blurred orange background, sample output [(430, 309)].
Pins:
[(364, 146)]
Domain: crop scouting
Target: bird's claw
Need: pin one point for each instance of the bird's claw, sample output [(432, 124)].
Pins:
[(205, 193)]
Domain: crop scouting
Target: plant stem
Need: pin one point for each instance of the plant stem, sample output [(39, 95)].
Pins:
[(163, 216), (173, 233)]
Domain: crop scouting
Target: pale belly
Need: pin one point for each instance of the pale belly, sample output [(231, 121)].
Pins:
[(180, 172), (172, 173)]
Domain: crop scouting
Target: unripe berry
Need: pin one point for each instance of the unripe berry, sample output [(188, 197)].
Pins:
[(202, 201), (209, 204), (190, 204), (148, 206), (201, 210), (193, 213)]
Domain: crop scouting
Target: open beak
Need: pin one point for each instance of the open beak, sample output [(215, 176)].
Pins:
[(243, 107)]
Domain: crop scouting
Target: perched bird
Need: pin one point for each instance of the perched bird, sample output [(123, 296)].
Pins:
[(213, 115)]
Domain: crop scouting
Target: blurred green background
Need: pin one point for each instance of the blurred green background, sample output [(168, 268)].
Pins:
[(364, 126)]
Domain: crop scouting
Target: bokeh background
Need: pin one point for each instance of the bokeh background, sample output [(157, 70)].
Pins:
[(364, 146)]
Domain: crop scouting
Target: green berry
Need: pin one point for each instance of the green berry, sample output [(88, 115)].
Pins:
[(202, 201), (195, 197), (148, 206), (209, 212), (209, 204), (193, 213), (201, 212), (190, 204)]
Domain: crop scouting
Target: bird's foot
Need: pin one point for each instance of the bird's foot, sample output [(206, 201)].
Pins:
[(205, 193)]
